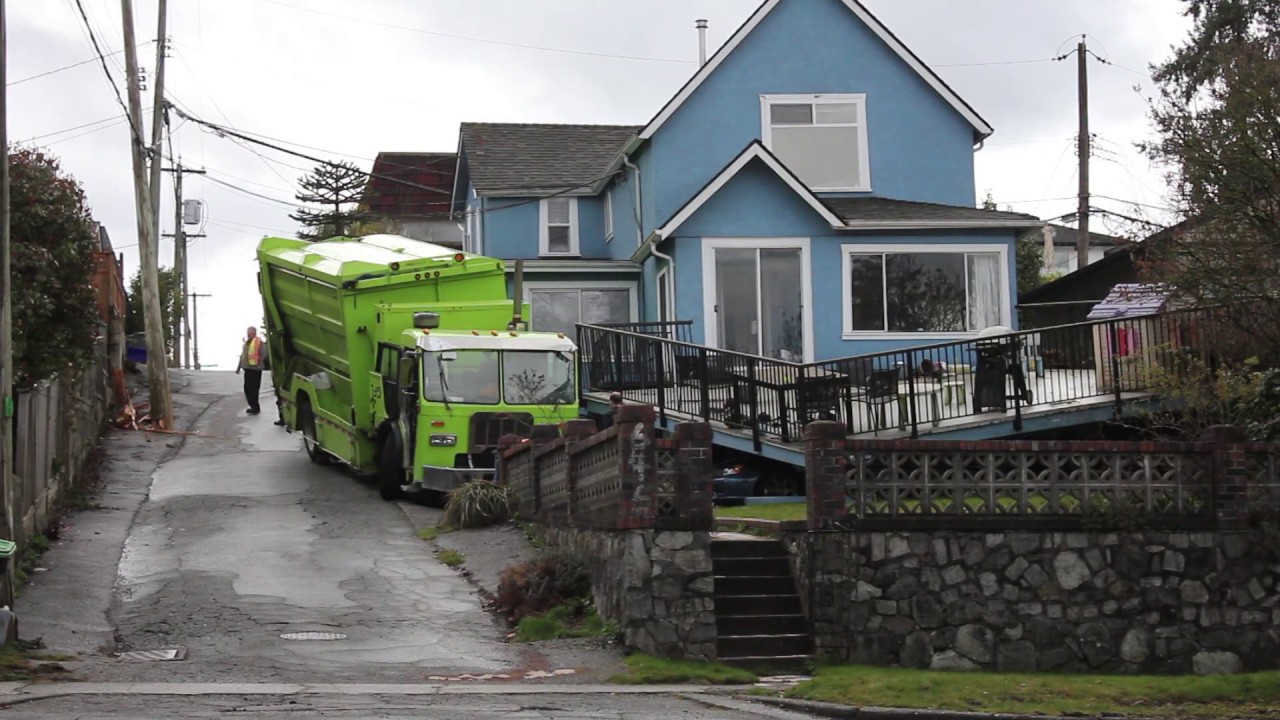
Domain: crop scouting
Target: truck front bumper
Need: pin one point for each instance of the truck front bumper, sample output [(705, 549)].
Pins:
[(444, 479)]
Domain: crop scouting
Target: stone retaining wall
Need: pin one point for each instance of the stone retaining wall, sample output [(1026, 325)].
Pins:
[(656, 584), (1148, 602)]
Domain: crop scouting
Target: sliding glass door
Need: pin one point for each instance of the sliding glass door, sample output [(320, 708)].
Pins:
[(759, 301)]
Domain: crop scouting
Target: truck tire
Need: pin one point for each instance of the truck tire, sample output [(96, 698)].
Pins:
[(390, 473), (307, 424)]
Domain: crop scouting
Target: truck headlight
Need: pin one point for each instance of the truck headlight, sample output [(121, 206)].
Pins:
[(444, 440)]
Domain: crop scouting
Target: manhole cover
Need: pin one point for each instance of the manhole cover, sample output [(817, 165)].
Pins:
[(154, 655), (314, 636)]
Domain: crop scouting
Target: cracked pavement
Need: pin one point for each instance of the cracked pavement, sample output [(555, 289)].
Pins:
[(237, 539)]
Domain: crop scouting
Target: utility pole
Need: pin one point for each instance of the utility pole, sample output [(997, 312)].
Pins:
[(6, 316), (1083, 150), (194, 315), (180, 320), (159, 118), (148, 243)]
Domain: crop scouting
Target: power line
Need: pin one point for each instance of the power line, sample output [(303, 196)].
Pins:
[(73, 129), (119, 121), (110, 80), (68, 67), (224, 183), (487, 41), (998, 62)]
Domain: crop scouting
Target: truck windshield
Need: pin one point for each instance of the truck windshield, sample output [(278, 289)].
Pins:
[(463, 376), (537, 378), (487, 377)]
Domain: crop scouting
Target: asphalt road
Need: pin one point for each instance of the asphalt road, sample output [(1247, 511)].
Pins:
[(229, 539), (478, 707)]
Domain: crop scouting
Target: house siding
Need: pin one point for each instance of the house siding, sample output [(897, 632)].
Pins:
[(757, 204), (921, 148)]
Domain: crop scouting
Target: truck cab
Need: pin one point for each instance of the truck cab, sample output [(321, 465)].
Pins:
[(449, 396)]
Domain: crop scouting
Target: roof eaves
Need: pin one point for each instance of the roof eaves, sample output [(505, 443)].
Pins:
[(937, 224)]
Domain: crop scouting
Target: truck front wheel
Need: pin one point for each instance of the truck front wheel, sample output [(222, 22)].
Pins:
[(307, 423), (390, 472)]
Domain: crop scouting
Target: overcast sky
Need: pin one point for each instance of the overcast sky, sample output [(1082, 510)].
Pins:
[(346, 79)]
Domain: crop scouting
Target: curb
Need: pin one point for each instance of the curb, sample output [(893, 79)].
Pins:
[(850, 712)]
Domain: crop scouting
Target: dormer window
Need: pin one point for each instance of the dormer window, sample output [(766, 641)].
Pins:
[(558, 234), (821, 138)]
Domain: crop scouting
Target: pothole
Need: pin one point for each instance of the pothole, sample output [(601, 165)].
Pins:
[(313, 636)]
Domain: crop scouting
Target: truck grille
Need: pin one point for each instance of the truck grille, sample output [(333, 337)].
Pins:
[(487, 428)]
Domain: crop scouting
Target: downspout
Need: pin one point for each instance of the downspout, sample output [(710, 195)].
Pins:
[(653, 246)]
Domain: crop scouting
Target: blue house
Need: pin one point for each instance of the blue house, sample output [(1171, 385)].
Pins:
[(808, 194)]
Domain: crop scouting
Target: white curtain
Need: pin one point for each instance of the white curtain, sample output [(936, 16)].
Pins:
[(985, 276)]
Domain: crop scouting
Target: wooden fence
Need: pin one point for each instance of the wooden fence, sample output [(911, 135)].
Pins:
[(56, 425)]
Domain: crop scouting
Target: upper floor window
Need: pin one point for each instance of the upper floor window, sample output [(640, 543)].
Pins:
[(822, 138), (608, 216), (558, 226)]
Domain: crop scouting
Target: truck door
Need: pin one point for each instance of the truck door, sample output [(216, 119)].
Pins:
[(389, 369), (406, 376)]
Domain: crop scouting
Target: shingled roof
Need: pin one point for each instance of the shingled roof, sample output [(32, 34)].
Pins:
[(875, 211), (528, 158)]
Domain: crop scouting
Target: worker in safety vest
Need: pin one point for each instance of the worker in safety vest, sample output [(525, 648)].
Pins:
[(253, 358)]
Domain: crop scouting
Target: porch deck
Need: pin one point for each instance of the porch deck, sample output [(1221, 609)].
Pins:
[(1061, 398)]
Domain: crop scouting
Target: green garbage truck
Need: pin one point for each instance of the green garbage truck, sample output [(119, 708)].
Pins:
[(406, 360)]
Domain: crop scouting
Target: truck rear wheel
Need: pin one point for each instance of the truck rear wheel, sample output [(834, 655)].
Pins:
[(307, 424), (390, 472)]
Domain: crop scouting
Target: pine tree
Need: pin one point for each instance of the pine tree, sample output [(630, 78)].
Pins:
[(337, 188)]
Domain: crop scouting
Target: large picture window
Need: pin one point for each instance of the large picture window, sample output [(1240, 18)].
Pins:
[(821, 138), (560, 309), (925, 290)]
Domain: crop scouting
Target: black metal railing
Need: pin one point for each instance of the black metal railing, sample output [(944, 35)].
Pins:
[(995, 378), (681, 330)]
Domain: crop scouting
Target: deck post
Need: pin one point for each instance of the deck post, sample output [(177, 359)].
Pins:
[(753, 405), (911, 395)]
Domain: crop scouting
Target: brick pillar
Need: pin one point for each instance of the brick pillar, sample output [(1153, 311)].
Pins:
[(694, 471), (1230, 476), (825, 463), (637, 467), (575, 431)]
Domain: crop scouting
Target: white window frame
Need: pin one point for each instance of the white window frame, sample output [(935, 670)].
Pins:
[(711, 328), (846, 290), (552, 285), (860, 99), (544, 243), (665, 296), (608, 215)]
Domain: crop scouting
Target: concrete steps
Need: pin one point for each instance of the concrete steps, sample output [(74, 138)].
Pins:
[(760, 621)]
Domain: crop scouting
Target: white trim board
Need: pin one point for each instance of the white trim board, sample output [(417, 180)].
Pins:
[(896, 45), (846, 297), (754, 151), (711, 330)]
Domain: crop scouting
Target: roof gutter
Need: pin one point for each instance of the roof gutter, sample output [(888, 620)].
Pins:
[(652, 243)]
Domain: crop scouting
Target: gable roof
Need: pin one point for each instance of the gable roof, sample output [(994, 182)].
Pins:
[(528, 159), (755, 151), (850, 213), (980, 126), (426, 188)]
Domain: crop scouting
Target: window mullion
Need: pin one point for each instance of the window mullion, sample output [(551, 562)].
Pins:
[(884, 287)]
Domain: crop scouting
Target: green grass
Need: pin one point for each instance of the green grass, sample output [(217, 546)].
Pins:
[(452, 558), (1254, 695), (777, 511), (567, 621), (17, 666), (430, 533), (649, 670)]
